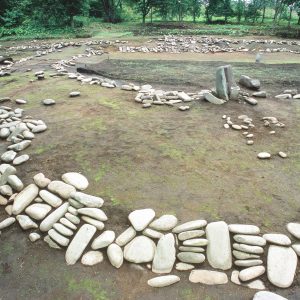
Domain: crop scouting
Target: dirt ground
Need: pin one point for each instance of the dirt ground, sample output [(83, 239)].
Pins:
[(184, 163)]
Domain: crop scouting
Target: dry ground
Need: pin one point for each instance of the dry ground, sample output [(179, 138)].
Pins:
[(174, 162)]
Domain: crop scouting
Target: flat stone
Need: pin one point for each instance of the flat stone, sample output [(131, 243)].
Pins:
[(75, 203), (212, 99), (153, 234), (294, 229), (68, 223), (8, 156), (184, 267), (79, 243), (191, 257), (25, 222), (261, 94), (98, 224), (20, 146), (103, 240), (165, 254), (115, 255), (164, 223), (51, 243), (254, 240), (296, 248), (74, 94), (141, 218), (284, 96), (33, 237), (282, 154), (248, 262), (163, 281), (62, 229), (50, 198), (249, 82), (281, 266), (72, 218), (191, 249), (251, 273), (208, 277), (87, 200), (58, 238), (77, 180), (6, 190), (52, 218), (41, 181), (278, 239), (250, 100), (190, 234), (20, 159), (15, 182), (92, 258), (62, 189), (126, 236), (72, 210), (48, 102), (219, 247), (243, 229), (3, 201), (243, 255), (140, 250), (189, 226), (196, 242), (265, 295), (7, 222), (95, 213), (38, 211), (24, 198), (236, 127), (248, 248)]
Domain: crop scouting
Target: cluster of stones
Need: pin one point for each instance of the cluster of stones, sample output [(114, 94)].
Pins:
[(180, 44), (289, 94)]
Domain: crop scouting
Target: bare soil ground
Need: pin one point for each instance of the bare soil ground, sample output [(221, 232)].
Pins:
[(184, 163)]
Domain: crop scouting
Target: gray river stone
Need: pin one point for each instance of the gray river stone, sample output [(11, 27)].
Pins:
[(165, 254), (115, 255), (50, 198), (140, 250), (191, 249), (38, 211), (126, 236), (189, 226), (52, 218), (62, 189), (281, 266), (164, 223), (103, 240), (79, 243), (208, 277), (67, 223), (243, 255), (8, 156), (33, 237), (163, 281), (141, 218), (24, 198), (219, 248)]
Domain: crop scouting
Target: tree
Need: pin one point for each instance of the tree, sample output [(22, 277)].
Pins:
[(195, 9), (111, 10)]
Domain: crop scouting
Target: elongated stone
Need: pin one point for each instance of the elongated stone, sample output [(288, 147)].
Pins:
[(24, 198), (152, 233), (191, 257), (164, 223), (248, 248), (251, 273), (50, 198), (76, 179), (165, 255), (25, 222), (189, 226), (72, 218), (87, 200), (68, 223), (7, 222), (60, 188), (191, 249), (248, 262), (58, 238), (115, 255), (278, 239), (60, 228), (184, 267), (208, 277), (196, 242), (243, 229), (79, 243), (190, 234), (51, 219), (253, 240), (219, 248), (126, 236), (163, 281), (244, 255), (98, 224), (103, 240), (95, 213)]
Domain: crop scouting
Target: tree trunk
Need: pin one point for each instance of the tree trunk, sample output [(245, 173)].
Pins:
[(290, 16), (264, 14), (299, 20)]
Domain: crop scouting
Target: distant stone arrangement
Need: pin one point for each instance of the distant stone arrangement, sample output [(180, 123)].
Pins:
[(208, 45)]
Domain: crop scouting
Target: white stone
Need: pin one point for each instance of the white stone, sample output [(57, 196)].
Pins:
[(87, 200), (254, 240), (68, 223), (189, 226), (15, 183), (153, 234), (191, 257), (281, 266), (77, 180), (294, 229), (282, 154), (60, 228), (251, 273), (95, 213), (64, 190), (20, 159), (25, 222), (141, 218), (50, 198), (79, 243), (248, 262), (184, 267), (243, 255), (163, 281), (140, 250), (58, 238), (196, 242), (164, 223), (73, 219), (191, 249), (24, 198), (38, 211), (7, 222), (263, 155), (248, 248), (40, 180), (104, 239), (165, 255), (243, 229), (34, 236), (278, 239), (52, 218), (92, 258), (265, 295), (219, 248), (208, 277), (126, 236), (98, 224), (115, 255), (296, 248), (51, 243), (190, 234)]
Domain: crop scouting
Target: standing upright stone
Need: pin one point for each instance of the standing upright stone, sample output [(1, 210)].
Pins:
[(225, 82), (219, 248)]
